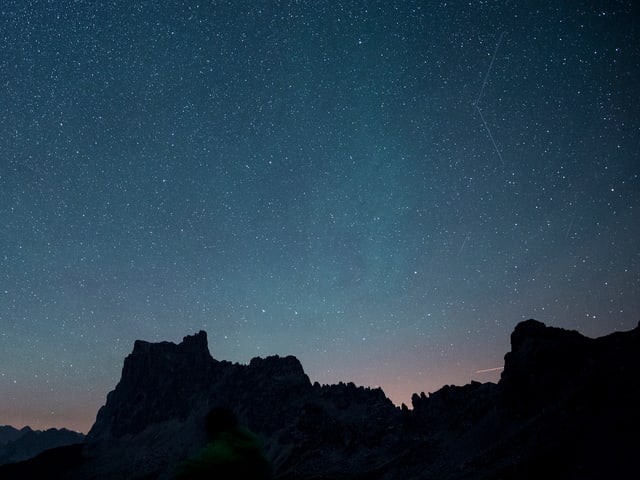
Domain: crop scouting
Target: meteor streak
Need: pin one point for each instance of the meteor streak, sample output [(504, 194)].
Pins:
[(495, 369)]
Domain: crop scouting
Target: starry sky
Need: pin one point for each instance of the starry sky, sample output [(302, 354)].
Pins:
[(383, 189)]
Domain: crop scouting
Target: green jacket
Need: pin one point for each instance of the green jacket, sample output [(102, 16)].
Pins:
[(235, 453)]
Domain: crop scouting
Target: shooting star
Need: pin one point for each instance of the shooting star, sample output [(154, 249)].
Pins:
[(464, 242), (476, 104), (495, 369)]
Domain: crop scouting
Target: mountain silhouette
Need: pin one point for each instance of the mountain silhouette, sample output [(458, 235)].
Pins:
[(17, 445), (566, 406)]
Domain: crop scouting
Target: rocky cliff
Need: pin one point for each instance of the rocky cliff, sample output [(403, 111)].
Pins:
[(565, 407), (166, 389)]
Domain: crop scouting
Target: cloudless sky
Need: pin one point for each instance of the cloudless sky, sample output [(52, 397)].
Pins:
[(382, 188)]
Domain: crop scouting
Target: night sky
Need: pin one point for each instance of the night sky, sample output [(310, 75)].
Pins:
[(382, 189)]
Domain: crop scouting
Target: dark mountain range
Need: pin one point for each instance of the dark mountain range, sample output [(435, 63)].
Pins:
[(17, 445), (9, 434), (566, 407)]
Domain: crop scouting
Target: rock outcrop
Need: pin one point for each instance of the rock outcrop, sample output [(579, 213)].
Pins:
[(160, 382), (565, 407), (153, 417)]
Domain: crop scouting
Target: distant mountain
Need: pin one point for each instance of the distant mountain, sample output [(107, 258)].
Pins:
[(17, 445), (566, 407), (9, 434)]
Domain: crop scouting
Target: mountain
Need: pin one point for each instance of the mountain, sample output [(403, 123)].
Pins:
[(9, 434), (566, 407), (17, 445)]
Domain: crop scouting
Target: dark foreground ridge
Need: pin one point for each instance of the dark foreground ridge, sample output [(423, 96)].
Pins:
[(565, 407)]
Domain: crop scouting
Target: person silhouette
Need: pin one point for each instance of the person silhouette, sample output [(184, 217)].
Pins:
[(232, 452)]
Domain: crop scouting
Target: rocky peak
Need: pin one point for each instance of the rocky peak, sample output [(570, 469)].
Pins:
[(543, 364), (532, 332), (536, 347), (159, 381), (283, 370), (193, 348)]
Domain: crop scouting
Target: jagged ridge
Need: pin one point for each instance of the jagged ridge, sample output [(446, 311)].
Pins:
[(563, 400)]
